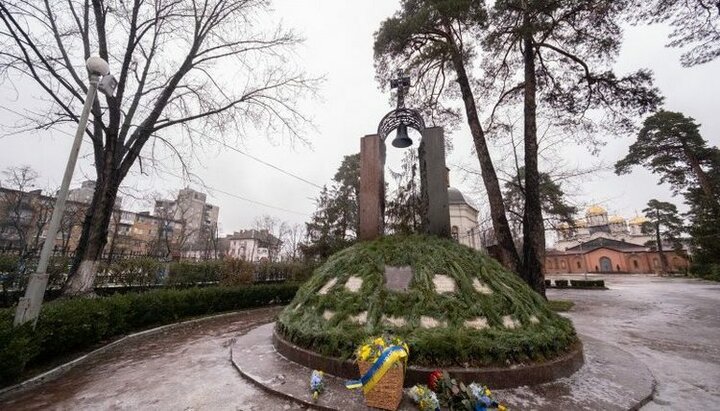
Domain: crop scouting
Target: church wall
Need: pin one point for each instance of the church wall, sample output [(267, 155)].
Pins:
[(642, 262)]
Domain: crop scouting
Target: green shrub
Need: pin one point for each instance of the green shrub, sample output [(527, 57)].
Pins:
[(17, 347), (140, 271), (560, 306), (8, 263), (68, 326), (561, 283), (194, 272), (588, 283), (237, 272), (706, 271)]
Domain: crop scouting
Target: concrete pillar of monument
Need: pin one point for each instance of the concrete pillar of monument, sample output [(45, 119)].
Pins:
[(371, 199), (434, 182)]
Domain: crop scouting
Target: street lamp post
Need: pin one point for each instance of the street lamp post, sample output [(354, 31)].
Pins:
[(28, 308)]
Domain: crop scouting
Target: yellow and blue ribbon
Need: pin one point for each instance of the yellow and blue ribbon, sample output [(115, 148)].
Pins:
[(380, 367)]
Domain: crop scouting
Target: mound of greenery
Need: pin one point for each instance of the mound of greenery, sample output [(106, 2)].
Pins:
[(538, 333)]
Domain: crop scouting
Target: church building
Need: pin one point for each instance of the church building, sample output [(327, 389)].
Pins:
[(602, 244), (463, 220)]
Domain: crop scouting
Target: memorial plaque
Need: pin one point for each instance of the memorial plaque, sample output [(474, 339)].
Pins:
[(398, 278)]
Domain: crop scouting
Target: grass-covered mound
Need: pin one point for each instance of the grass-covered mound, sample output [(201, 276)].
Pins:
[(491, 318)]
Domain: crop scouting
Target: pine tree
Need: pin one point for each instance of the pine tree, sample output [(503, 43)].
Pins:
[(334, 225), (666, 225)]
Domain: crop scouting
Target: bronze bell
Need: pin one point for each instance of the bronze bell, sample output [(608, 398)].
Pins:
[(401, 138)]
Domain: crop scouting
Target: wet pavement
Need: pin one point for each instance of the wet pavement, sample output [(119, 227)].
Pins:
[(672, 325), (185, 368), (611, 379)]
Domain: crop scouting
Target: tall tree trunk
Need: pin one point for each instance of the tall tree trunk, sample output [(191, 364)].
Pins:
[(94, 235), (703, 179), (658, 241), (508, 253), (533, 225)]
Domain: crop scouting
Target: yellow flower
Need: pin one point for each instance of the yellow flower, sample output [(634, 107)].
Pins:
[(487, 392), (365, 352), (502, 408), (379, 341)]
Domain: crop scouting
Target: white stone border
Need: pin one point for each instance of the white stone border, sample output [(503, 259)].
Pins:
[(62, 369)]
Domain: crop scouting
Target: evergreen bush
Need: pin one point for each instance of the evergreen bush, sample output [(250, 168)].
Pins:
[(194, 272), (561, 283), (706, 271), (587, 283)]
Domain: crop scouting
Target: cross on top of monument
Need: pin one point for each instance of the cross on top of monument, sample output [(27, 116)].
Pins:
[(402, 83)]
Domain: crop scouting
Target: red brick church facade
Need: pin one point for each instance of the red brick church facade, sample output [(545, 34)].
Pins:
[(603, 255)]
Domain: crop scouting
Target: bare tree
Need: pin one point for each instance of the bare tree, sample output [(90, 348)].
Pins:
[(291, 241), (71, 221), (17, 214), (272, 232), (177, 62)]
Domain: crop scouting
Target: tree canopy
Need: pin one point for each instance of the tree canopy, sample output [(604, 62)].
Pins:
[(176, 64), (667, 226), (695, 24), (334, 225), (670, 145)]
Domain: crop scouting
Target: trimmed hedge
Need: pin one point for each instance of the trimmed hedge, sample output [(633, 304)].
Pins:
[(706, 271), (577, 283), (587, 283), (69, 326)]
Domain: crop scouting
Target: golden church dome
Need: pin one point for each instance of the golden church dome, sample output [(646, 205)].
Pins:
[(616, 219), (595, 211), (580, 223), (639, 220)]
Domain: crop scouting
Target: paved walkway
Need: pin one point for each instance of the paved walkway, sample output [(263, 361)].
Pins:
[(672, 325), (186, 368)]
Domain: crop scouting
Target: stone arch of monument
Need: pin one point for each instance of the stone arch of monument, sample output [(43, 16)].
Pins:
[(433, 172)]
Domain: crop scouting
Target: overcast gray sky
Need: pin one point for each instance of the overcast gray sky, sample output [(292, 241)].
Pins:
[(338, 45)]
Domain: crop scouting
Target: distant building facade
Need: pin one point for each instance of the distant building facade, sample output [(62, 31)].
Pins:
[(24, 219), (253, 245), (598, 243), (464, 220), (84, 194), (199, 218)]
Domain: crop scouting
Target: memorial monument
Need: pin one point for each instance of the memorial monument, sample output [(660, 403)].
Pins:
[(457, 308)]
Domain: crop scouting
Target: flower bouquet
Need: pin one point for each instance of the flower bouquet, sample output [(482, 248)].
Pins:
[(317, 384), (382, 362), (458, 396)]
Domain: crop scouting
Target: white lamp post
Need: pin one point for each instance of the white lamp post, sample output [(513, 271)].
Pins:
[(28, 308)]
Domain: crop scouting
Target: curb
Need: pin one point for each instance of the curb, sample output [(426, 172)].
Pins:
[(254, 381), (63, 368), (564, 365), (271, 378)]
